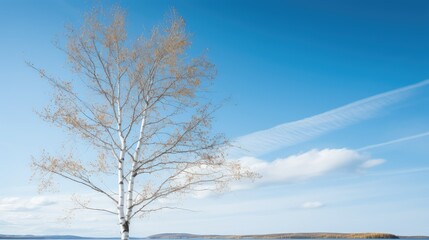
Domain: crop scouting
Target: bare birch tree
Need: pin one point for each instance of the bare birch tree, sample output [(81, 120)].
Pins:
[(141, 107)]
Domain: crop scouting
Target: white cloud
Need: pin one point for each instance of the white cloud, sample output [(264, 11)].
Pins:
[(307, 165), (312, 205), (5, 223), (23, 214), (291, 133), (9, 200), (372, 163), (24, 204)]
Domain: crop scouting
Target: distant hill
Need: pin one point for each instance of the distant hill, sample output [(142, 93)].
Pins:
[(282, 236), (414, 237), (261, 236)]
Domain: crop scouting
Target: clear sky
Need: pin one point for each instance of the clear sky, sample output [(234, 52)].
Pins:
[(330, 97)]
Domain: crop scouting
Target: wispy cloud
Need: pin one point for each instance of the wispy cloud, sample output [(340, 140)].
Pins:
[(399, 140), (5, 223), (291, 133), (312, 205), (372, 163), (307, 165), (401, 172), (23, 214), (24, 204)]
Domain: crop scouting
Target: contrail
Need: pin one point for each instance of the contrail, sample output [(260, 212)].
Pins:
[(292, 133), (394, 141)]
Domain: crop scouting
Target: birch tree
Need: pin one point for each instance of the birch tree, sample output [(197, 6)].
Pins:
[(140, 106)]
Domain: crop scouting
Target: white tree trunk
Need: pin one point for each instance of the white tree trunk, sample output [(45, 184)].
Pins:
[(123, 221), (121, 213), (125, 236), (134, 169), (130, 192)]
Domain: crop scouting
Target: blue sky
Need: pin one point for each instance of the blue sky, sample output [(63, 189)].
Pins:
[(320, 79)]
